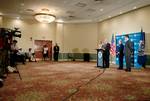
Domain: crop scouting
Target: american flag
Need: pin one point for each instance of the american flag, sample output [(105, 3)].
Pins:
[(142, 36), (113, 46)]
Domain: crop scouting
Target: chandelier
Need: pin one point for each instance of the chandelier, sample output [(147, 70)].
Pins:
[(44, 16)]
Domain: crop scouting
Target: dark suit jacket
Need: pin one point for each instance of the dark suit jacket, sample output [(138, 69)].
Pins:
[(121, 50), (56, 49), (128, 48), (107, 49)]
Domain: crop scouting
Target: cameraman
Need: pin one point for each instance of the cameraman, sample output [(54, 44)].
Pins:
[(21, 56), (13, 53)]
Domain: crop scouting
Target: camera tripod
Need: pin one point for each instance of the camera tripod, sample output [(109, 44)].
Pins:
[(18, 72), (14, 70)]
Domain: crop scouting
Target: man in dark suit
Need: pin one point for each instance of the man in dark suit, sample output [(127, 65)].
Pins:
[(120, 54), (128, 52), (106, 54), (56, 52)]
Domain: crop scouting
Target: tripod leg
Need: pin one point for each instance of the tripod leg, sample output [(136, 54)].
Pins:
[(18, 73), (1, 83)]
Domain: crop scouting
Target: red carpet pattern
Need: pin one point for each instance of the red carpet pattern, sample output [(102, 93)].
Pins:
[(53, 81)]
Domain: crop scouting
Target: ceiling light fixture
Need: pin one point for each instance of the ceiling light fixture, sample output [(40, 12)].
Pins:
[(22, 4), (98, 0), (101, 9), (1, 14), (120, 12), (18, 18), (44, 16), (80, 4), (134, 7)]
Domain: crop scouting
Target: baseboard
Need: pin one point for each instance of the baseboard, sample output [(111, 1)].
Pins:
[(76, 60)]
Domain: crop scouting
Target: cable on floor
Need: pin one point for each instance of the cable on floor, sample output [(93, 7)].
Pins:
[(78, 88)]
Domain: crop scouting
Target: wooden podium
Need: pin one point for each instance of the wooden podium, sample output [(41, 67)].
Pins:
[(100, 58)]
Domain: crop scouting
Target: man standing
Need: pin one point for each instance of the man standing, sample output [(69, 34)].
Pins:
[(106, 54), (21, 56), (13, 53), (56, 52), (120, 54), (128, 52), (141, 54), (45, 52)]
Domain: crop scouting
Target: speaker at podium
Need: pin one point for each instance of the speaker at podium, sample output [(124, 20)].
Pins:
[(100, 58)]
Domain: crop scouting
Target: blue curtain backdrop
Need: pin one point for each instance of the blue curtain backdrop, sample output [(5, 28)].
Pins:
[(135, 38)]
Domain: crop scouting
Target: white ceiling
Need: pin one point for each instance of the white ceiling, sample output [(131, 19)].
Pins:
[(70, 10)]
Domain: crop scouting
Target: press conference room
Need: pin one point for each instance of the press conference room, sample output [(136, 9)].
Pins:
[(74, 50)]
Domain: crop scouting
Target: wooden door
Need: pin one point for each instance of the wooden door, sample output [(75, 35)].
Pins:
[(39, 48)]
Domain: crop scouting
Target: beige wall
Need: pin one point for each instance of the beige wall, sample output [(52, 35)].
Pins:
[(127, 23), (81, 37), (60, 36), (1, 19), (77, 38), (37, 31)]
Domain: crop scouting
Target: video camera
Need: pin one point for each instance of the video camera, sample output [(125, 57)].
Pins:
[(6, 37), (10, 32)]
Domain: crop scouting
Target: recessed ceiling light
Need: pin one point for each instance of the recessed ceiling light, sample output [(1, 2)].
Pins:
[(101, 9), (98, 0), (71, 16), (22, 4), (1, 13), (109, 16), (18, 18), (134, 7), (80, 4), (120, 12)]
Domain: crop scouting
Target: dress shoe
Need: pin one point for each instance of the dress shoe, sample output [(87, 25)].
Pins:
[(127, 70), (120, 68)]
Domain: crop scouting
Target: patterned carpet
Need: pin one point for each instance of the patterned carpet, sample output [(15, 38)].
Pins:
[(52, 81)]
